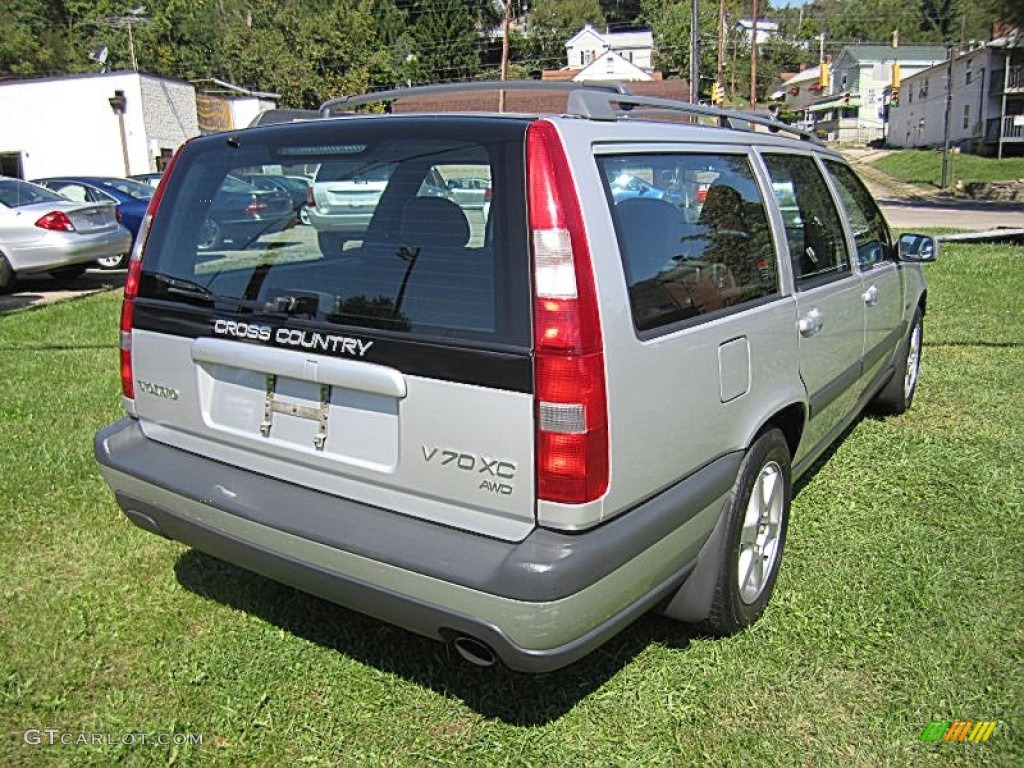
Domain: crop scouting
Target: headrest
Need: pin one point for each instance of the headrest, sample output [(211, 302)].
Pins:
[(433, 221)]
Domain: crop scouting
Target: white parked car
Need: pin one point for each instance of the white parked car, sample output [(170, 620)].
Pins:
[(41, 231)]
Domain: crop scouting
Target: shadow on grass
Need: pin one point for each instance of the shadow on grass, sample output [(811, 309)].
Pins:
[(494, 692)]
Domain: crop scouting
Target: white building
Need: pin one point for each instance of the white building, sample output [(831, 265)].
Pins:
[(765, 29), (109, 124), (986, 102), (588, 45)]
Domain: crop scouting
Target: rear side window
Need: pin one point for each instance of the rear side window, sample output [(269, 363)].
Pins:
[(693, 234), (396, 230)]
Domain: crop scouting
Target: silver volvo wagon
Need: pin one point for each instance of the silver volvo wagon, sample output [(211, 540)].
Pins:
[(516, 426)]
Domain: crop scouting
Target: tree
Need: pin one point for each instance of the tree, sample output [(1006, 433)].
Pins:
[(445, 42), (670, 21), (553, 22)]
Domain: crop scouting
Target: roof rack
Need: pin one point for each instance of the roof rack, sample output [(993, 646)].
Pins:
[(589, 99), (598, 106), (573, 88)]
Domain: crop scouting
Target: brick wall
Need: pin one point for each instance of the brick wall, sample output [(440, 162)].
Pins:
[(528, 102)]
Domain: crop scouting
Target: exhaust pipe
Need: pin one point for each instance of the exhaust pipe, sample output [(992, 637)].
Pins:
[(474, 651)]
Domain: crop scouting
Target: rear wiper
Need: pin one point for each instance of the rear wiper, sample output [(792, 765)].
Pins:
[(278, 305), (182, 287)]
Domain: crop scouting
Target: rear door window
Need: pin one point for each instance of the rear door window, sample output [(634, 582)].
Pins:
[(814, 231), (399, 239), (693, 234), (870, 232)]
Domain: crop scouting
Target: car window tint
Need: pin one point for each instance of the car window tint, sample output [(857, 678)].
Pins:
[(132, 188), (870, 232), (693, 234), (814, 231), (400, 238)]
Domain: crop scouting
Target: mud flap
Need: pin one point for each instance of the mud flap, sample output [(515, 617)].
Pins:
[(692, 603)]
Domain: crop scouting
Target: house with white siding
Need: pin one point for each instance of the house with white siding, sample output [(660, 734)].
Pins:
[(852, 108), (986, 101), (589, 44)]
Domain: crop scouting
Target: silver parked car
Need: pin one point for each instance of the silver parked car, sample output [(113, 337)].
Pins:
[(515, 432), (41, 231)]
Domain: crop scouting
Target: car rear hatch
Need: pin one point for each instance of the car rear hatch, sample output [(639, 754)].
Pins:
[(398, 372)]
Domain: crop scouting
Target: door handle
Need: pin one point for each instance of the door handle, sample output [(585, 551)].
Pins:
[(870, 296), (810, 323)]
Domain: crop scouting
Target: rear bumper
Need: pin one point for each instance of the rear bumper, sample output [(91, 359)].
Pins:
[(541, 603), (61, 249)]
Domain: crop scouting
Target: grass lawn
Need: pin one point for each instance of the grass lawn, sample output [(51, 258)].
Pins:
[(899, 601), (924, 166)]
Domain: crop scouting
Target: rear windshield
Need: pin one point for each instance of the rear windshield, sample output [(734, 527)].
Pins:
[(15, 192), (397, 231)]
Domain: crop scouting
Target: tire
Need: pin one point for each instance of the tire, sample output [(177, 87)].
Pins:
[(7, 276), (898, 395), (210, 236), (756, 522), (304, 216), (113, 262), (70, 272)]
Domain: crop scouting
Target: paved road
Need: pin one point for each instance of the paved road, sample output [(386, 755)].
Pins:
[(43, 289), (948, 212)]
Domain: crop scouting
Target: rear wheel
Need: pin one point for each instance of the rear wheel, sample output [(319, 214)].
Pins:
[(113, 262), (756, 522), (7, 276), (898, 395)]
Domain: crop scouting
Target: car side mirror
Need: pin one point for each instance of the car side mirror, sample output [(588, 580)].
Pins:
[(915, 247)]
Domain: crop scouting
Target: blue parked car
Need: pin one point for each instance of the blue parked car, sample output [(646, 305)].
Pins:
[(132, 198)]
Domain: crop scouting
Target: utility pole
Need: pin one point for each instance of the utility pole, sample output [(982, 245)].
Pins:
[(721, 43), (504, 52), (945, 125), (694, 53), (753, 59)]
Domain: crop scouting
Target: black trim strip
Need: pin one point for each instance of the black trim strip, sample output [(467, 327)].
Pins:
[(510, 370), (877, 382), (821, 399), (885, 347)]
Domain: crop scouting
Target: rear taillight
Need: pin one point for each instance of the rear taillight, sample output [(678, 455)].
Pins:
[(488, 194), (57, 221), (256, 208), (569, 376), (131, 283), (310, 201), (117, 214)]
